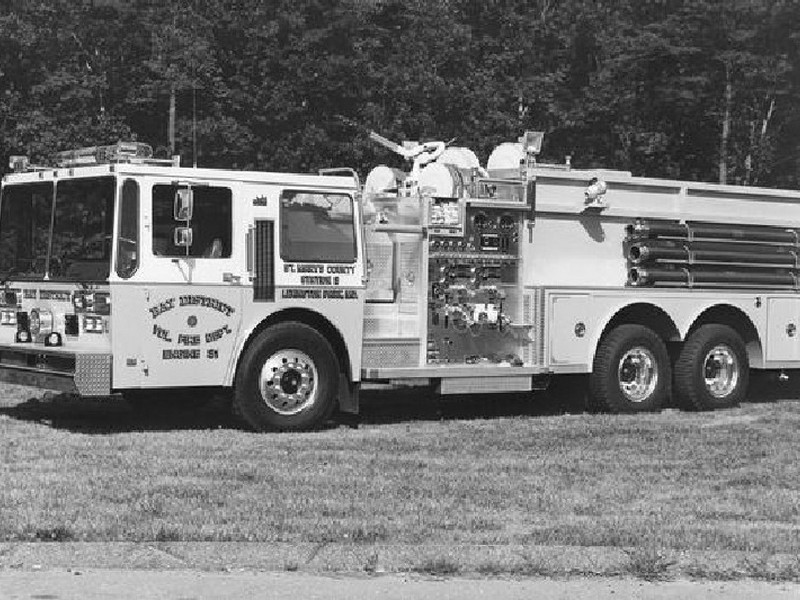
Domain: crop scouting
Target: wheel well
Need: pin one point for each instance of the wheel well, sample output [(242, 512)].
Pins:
[(645, 314), (312, 319), (736, 319)]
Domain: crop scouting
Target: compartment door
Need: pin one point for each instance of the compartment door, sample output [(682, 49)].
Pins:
[(783, 323), (568, 333)]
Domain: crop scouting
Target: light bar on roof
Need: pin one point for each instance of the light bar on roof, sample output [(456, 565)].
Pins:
[(94, 155), (18, 164)]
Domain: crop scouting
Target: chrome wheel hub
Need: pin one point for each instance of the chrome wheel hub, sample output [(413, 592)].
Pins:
[(637, 374), (288, 381), (721, 371)]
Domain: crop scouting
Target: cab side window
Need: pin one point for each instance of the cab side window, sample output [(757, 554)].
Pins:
[(211, 222), (128, 237), (316, 227)]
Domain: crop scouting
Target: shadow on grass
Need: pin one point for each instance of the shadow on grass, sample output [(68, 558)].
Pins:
[(116, 415), (767, 386), (397, 406)]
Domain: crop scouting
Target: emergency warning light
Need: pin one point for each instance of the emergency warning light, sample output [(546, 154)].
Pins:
[(95, 155), (18, 164), (121, 152), (532, 141)]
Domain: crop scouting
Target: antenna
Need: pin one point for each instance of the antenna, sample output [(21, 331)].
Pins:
[(194, 88), (194, 123)]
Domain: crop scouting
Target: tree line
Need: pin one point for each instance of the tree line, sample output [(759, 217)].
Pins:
[(692, 89)]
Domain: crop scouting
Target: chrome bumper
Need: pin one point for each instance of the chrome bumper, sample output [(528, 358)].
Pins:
[(84, 373)]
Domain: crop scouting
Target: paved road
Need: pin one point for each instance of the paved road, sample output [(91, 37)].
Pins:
[(118, 584)]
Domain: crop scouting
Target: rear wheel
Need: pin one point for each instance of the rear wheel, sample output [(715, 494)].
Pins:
[(631, 371), (287, 379), (712, 370)]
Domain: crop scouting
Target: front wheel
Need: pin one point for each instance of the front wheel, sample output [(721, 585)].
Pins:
[(631, 371), (287, 379), (712, 370)]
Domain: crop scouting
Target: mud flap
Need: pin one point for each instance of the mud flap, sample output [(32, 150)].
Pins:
[(349, 393)]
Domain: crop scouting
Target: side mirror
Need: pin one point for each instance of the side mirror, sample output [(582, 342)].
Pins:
[(184, 204), (182, 237)]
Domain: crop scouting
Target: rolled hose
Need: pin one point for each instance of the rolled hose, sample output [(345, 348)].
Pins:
[(645, 251), (712, 231), (641, 277)]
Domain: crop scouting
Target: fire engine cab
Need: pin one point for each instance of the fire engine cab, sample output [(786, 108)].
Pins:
[(122, 273)]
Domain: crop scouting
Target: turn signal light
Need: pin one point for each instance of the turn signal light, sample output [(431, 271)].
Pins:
[(92, 302), (93, 324), (53, 339)]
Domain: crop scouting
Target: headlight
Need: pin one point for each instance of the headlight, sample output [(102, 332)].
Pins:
[(41, 322)]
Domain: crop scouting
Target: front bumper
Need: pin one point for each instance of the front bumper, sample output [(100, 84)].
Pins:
[(84, 373)]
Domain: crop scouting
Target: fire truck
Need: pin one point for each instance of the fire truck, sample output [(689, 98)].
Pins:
[(122, 273)]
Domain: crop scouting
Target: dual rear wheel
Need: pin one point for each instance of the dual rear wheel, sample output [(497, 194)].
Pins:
[(632, 371)]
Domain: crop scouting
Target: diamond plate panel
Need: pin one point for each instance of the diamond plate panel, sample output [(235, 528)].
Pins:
[(409, 273), (380, 255), (527, 348), (387, 354), (533, 313), (485, 385), (538, 326), (93, 374)]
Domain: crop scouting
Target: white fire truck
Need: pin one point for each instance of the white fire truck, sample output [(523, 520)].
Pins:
[(126, 274)]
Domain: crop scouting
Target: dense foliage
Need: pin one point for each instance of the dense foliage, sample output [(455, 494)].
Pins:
[(694, 89)]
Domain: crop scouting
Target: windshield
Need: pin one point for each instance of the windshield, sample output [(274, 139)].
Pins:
[(80, 246)]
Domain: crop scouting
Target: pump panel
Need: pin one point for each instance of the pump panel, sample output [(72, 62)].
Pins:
[(474, 302)]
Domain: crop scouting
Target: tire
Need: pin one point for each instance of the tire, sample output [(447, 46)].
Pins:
[(712, 370), (287, 379), (631, 371)]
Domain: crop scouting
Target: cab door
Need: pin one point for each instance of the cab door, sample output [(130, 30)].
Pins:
[(179, 317)]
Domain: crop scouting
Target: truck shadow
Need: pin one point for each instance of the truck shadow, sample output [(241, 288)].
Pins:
[(399, 406), (115, 415)]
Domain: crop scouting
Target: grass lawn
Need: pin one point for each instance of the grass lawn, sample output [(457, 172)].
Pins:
[(494, 472)]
